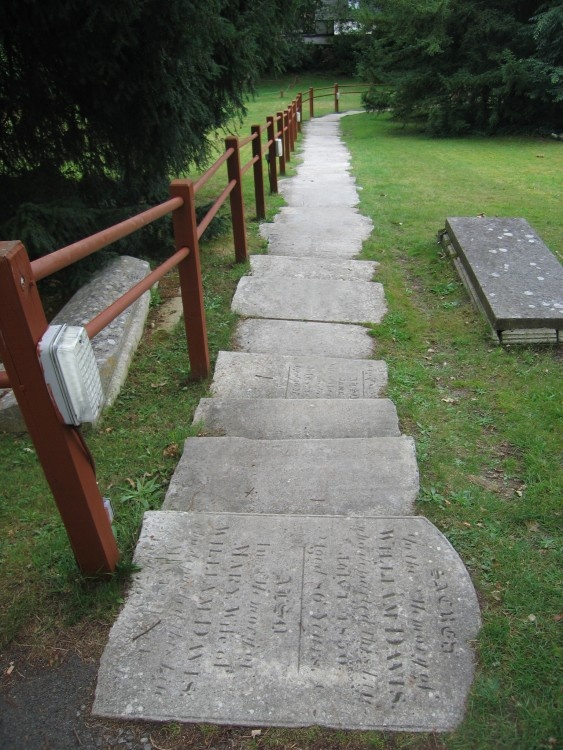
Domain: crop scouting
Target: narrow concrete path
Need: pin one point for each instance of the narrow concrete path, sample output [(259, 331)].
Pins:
[(286, 580)]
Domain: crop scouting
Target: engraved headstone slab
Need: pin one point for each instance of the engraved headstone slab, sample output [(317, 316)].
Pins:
[(374, 476), (517, 279), (303, 339), (284, 418), (246, 375), (317, 232), (361, 623), (312, 268), (310, 299)]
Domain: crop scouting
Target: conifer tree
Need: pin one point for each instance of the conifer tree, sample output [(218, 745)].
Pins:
[(459, 66), (102, 103)]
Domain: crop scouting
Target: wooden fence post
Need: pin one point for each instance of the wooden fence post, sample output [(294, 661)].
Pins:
[(286, 139), (293, 111), (311, 103), (191, 286), (336, 98), (237, 203), (256, 131), (66, 461), (272, 160), (279, 126), (291, 127)]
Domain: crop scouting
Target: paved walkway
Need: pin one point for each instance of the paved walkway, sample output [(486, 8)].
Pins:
[(286, 580)]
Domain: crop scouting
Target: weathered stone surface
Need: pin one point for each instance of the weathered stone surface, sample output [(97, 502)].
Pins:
[(317, 232), (280, 419), (360, 623), (245, 375), (321, 192), (518, 281), (113, 347), (310, 299), (312, 268), (292, 337), (352, 476)]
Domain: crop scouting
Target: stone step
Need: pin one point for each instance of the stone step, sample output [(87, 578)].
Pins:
[(291, 337), (312, 268), (317, 193), (310, 299), (343, 476), (249, 375), (282, 419), (317, 232), (355, 623)]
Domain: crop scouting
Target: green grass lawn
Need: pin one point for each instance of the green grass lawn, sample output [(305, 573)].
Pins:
[(486, 419)]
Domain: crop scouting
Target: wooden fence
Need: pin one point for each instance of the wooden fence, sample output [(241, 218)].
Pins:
[(62, 451)]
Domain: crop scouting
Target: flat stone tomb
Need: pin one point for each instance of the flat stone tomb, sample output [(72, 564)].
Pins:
[(358, 623), (302, 339), (318, 300), (248, 375), (516, 278), (373, 476)]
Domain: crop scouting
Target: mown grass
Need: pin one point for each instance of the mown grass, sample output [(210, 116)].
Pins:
[(487, 423), (487, 419)]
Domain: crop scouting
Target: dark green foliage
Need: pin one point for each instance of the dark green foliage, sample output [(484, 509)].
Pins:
[(461, 66), (102, 103)]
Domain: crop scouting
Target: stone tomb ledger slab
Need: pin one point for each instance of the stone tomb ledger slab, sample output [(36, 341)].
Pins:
[(518, 281), (360, 623)]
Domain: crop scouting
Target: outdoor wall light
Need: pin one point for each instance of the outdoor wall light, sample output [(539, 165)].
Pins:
[(71, 373), (298, 116), (279, 147)]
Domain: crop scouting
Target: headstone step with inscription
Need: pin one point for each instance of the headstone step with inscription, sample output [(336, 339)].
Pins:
[(310, 299), (260, 620), (320, 192), (297, 338), (317, 232), (312, 268), (282, 419), (343, 476), (511, 275), (250, 375)]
